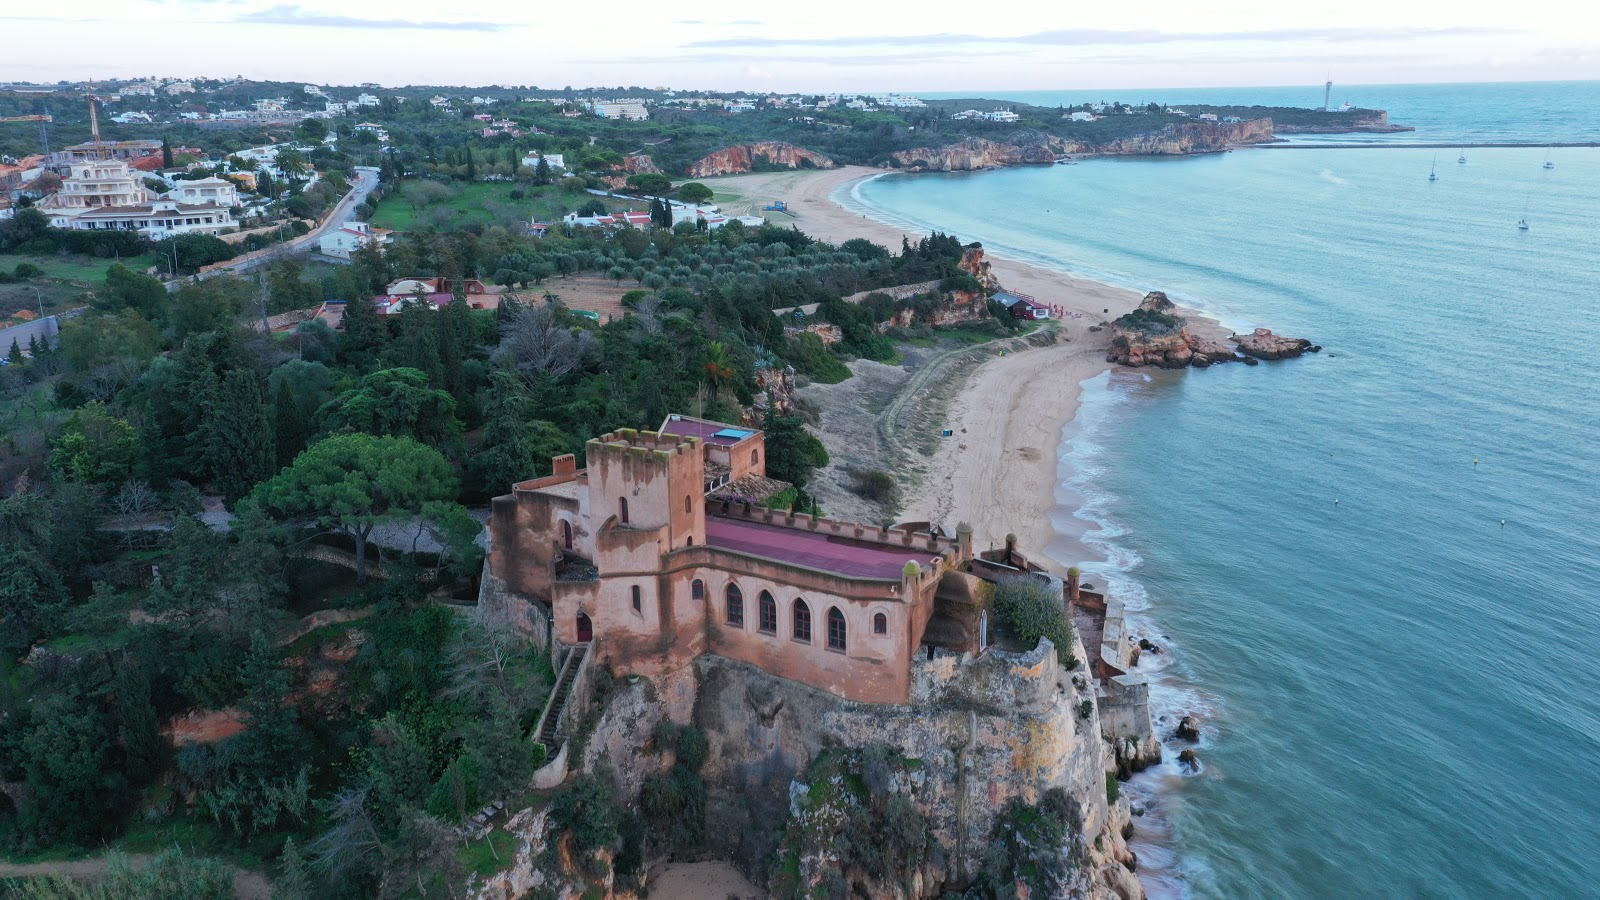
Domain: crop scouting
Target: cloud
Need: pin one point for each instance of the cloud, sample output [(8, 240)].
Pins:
[(1095, 37), (745, 22), (294, 15)]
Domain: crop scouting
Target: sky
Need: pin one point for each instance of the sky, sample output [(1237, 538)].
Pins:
[(818, 45)]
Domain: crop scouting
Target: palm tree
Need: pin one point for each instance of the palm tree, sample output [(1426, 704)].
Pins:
[(719, 367)]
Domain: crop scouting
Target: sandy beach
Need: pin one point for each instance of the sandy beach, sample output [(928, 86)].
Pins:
[(999, 470)]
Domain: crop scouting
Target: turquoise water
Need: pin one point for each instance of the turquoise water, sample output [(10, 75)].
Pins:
[(1402, 694)]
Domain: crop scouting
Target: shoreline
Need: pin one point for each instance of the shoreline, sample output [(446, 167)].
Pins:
[(1000, 469), (1004, 469)]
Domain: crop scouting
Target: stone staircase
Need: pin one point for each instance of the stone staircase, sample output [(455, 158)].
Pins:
[(547, 731)]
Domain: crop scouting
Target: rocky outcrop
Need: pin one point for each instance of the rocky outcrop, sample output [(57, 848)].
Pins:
[(973, 263), (640, 164), (1190, 137), (1356, 121), (1153, 335), (742, 158), (1263, 344), (973, 154)]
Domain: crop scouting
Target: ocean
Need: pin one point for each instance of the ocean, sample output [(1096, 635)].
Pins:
[(1375, 571)]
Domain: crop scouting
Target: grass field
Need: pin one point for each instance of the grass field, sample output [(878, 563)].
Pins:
[(83, 269), (445, 206)]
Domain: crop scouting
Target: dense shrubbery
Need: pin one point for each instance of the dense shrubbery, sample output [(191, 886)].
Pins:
[(1148, 320), (1029, 609)]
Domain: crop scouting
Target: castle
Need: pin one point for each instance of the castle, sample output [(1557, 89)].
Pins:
[(658, 551)]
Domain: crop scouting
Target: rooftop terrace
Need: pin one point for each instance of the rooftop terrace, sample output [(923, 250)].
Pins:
[(824, 552), (710, 432)]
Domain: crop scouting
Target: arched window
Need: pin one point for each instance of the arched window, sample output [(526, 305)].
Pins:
[(585, 629), (755, 457), (622, 510), (686, 506), (697, 589), (769, 613), (566, 535), (638, 600), (880, 624), (836, 629), (735, 606), (691, 541), (802, 621)]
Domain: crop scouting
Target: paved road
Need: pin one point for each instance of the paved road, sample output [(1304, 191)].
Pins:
[(365, 181)]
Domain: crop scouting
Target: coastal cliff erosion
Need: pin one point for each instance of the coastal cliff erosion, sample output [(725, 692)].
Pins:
[(983, 738), (1154, 335), (1038, 148), (974, 154), (741, 158)]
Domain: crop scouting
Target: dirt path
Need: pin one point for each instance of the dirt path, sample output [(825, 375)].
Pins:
[(247, 885)]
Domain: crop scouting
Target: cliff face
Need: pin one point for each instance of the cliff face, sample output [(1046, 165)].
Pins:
[(1190, 137), (742, 158), (977, 153), (980, 735)]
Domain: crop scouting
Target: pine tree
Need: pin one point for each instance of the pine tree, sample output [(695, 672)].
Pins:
[(472, 170), (513, 161), (166, 153), (541, 172), (14, 358), (291, 429), (239, 439), (138, 728), (294, 878), (455, 344), (364, 332)]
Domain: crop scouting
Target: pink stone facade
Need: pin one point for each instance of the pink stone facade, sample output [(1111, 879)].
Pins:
[(632, 556)]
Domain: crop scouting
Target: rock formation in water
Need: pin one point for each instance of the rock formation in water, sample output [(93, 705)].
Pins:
[(1154, 335), (742, 158), (1263, 344)]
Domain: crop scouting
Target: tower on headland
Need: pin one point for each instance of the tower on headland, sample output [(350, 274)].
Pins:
[(1327, 96)]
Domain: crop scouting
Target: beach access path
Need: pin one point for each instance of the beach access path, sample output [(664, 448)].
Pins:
[(999, 469)]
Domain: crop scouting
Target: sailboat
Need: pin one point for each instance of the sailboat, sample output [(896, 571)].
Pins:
[(1522, 223), (1463, 159), (1433, 170), (1547, 163)]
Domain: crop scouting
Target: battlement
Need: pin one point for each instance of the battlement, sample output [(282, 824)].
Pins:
[(641, 443)]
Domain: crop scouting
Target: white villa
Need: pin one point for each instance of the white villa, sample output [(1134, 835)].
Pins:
[(107, 193), (213, 190), (343, 242), (557, 161)]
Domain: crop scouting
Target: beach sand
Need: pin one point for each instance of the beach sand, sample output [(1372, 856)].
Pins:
[(1000, 469)]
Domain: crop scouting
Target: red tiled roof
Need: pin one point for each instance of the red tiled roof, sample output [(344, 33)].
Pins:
[(812, 550)]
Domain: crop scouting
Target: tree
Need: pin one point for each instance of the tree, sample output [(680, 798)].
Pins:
[(127, 289), (138, 728), (239, 439), (364, 331), (313, 130), (291, 427), (395, 402), (537, 344), (541, 172), (471, 168), (792, 453), (351, 483), (14, 357), (694, 192), (166, 153), (95, 447), (651, 183)]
